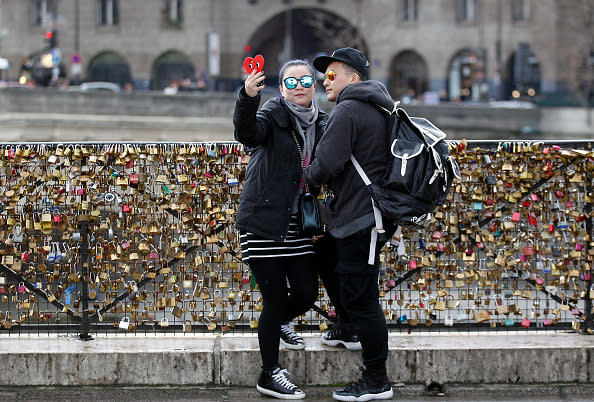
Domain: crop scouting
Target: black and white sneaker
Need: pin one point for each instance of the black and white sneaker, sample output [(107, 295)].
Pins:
[(365, 390), (275, 383), (339, 336), (289, 337)]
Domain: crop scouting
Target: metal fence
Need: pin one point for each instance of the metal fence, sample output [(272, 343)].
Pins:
[(136, 238)]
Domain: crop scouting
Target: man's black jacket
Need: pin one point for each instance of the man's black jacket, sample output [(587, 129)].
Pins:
[(358, 126)]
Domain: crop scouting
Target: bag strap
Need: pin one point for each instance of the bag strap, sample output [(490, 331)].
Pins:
[(300, 156), (379, 224)]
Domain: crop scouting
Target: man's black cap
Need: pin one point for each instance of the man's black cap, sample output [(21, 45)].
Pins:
[(348, 55)]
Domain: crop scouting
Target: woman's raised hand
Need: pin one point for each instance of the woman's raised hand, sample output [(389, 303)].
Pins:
[(251, 83)]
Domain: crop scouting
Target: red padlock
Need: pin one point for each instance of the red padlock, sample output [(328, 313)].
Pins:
[(412, 264), (57, 218), (516, 217), (532, 219), (154, 255), (134, 178), (126, 208)]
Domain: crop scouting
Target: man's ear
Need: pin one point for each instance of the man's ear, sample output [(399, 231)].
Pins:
[(355, 78)]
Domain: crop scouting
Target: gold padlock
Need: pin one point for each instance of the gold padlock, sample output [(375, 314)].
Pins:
[(253, 322), (187, 327)]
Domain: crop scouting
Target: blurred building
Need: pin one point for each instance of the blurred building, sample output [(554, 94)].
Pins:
[(453, 49)]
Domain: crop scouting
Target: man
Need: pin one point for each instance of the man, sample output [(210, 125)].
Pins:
[(357, 126)]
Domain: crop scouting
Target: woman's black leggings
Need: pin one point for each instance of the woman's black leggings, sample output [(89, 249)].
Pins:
[(280, 306)]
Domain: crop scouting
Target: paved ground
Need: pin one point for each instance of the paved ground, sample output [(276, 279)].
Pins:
[(558, 392)]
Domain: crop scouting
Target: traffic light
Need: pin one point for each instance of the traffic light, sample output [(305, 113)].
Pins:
[(51, 39)]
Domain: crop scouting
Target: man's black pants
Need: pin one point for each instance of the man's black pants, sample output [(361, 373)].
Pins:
[(359, 295)]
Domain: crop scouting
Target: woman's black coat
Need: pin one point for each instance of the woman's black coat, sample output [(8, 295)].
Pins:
[(274, 169)]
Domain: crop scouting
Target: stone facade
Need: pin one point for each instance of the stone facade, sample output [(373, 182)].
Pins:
[(434, 39)]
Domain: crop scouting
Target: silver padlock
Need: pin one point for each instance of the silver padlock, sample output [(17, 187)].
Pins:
[(17, 233), (124, 323)]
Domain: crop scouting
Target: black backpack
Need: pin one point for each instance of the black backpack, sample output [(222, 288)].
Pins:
[(419, 174)]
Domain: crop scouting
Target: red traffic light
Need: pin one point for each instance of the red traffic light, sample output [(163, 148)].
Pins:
[(48, 35)]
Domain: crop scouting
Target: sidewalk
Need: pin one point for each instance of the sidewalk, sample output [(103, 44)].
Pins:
[(454, 392), (548, 358)]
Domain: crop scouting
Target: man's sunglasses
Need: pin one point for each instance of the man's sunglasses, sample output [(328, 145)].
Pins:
[(330, 75), (306, 82)]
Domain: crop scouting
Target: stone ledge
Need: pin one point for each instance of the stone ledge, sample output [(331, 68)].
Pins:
[(235, 360)]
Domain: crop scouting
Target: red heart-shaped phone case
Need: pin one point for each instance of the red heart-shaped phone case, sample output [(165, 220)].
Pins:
[(250, 64)]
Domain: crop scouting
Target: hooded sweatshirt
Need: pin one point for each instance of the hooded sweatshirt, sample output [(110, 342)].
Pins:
[(358, 126)]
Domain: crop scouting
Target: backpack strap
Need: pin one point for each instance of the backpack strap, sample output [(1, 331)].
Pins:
[(379, 224)]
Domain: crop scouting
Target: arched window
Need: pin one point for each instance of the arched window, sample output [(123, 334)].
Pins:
[(466, 76), (109, 66), (171, 66), (409, 75)]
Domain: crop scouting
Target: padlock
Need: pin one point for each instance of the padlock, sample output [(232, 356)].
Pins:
[(124, 323), (448, 321), (187, 326)]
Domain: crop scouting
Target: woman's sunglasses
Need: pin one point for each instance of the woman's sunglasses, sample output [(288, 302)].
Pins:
[(306, 82)]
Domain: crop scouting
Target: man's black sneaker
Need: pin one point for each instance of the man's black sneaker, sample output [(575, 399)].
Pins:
[(338, 336), (289, 337), (275, 383), (365, 390)]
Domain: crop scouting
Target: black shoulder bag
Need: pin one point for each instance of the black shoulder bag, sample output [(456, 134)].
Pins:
[(309, 213)]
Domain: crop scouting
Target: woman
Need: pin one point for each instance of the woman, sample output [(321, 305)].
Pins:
[(282, 135)]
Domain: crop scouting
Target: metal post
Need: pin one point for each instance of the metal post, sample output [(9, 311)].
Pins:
[(83, 225), (588, 325), (76, 26), (498, 63), (84, 273)]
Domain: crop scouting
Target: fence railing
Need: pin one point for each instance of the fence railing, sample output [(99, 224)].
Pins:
[(139, 238)]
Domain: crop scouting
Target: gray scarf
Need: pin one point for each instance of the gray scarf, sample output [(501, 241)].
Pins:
[(305, 122), (304, 119)]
